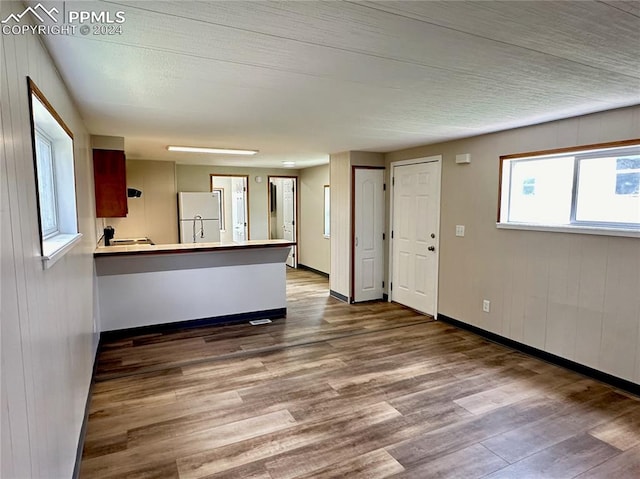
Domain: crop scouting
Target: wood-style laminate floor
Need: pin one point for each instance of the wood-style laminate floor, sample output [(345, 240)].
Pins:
[(348, 391)]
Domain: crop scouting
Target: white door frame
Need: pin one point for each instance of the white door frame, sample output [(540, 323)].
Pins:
[(296, 204), (429, 159), (247, 218)]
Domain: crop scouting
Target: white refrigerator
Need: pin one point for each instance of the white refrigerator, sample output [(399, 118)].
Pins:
[(199, 217)]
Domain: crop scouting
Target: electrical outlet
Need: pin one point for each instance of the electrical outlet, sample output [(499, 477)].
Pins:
[(459, 230), (486, 305)]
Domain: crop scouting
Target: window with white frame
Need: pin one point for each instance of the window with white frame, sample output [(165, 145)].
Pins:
[(595, 187), (55, 178), (46, 185)]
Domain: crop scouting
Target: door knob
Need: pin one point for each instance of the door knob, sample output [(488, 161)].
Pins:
[(431, 248)]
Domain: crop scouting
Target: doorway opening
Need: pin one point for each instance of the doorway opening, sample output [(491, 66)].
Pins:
[(234, 206), (283, 212)]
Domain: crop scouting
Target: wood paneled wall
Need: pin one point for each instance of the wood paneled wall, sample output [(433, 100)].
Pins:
[(48, 340), (573, 295)]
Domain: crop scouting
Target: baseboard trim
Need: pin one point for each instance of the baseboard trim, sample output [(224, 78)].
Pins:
[(194, 323), (85, 419), (339, 296), (313, 270), (614, 381)]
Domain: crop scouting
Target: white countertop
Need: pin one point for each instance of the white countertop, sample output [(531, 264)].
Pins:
[(187, 247)]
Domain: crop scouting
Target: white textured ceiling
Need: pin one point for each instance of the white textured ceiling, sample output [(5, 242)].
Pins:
[(300, 80)]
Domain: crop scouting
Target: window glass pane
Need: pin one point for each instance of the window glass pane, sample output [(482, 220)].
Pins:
[(628, 175), (540, 190), (46, 185), (609, 190)]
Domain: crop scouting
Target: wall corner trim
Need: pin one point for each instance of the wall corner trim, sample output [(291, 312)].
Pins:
[(341, 297)]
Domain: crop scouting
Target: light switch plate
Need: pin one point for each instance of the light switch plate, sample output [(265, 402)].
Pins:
[(486, 305), (459, 230)]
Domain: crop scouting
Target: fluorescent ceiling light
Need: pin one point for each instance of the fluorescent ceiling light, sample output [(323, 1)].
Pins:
[(289, 164), (218, 151)]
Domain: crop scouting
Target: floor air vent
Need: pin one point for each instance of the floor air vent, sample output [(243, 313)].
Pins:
[(257, 322)]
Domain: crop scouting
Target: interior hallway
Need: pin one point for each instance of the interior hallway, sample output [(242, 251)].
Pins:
[(337, 390)]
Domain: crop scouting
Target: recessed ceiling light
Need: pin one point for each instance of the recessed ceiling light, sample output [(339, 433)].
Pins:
[(218, 151), (289, 164)]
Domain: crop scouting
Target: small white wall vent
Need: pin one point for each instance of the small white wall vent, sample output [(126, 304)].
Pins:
[(463, 159)]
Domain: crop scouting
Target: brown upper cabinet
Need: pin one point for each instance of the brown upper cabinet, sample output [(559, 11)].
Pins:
[(110, 179)]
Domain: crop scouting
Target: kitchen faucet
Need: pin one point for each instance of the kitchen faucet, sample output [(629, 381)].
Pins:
[(201, 232)]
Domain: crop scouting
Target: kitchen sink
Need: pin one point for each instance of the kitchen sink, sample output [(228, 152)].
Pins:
[(130, 241)]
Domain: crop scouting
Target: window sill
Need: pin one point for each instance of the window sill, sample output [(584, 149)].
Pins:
[(54, 249), (587, 230)]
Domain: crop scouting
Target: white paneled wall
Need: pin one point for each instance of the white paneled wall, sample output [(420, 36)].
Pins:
[(340, 169), (314, 250), (154, 214), (340, 179), (196, 178), (573, 295), (48, 340)]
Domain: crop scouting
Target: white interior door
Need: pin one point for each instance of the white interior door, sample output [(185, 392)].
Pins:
[(239, 209), (289, 216), (368, 240), (415, 229)]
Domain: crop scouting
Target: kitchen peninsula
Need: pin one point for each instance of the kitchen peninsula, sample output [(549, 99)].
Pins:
[(147, 285)]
